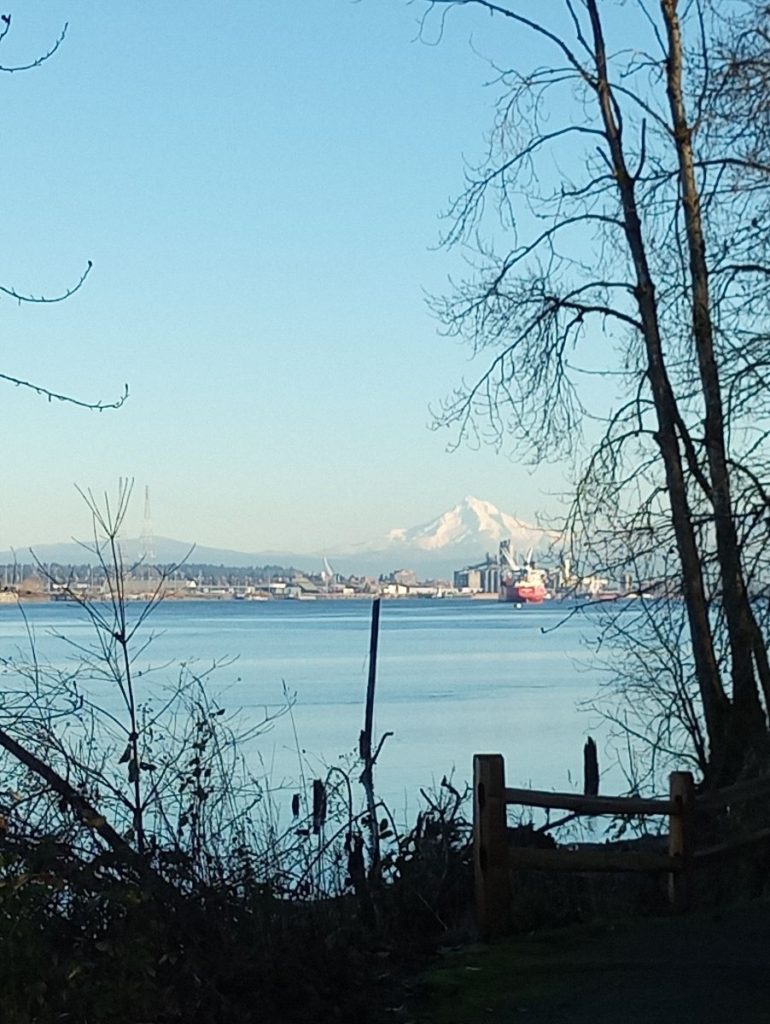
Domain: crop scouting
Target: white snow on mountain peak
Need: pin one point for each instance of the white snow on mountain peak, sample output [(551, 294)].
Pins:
[(472, 521)]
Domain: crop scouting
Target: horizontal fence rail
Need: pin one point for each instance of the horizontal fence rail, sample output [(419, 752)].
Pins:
[(736, 794), (730, 846), (594, 806)]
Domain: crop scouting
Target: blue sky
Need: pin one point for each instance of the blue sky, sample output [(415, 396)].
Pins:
[(258, 185)]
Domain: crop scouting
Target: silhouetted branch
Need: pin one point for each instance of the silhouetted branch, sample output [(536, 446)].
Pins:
[(46, 299), (6, 21), (54, 396)]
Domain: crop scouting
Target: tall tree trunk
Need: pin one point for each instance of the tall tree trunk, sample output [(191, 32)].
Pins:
[(716, 704), (748, 729)]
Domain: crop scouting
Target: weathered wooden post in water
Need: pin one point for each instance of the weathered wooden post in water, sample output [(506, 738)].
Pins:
[(680, 839), (490, 846), (368, 757)]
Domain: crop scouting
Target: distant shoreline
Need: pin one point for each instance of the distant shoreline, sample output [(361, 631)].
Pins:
[(13, 598)]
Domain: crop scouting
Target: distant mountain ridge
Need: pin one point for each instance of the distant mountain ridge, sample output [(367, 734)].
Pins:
[(166, 551), (457, 537)]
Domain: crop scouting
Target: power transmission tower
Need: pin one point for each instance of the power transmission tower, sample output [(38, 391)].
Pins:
[(147, 543)]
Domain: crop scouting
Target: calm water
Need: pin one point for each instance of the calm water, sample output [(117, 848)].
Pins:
[(454, 678)]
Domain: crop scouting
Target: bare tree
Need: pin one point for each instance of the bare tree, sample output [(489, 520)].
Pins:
[(138, 751), (633, 203)]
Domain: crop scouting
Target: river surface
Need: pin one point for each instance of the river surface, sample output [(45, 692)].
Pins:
[(454, 678)]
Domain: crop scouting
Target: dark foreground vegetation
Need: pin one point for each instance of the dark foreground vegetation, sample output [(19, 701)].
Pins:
[(89, 936), (146, 875)]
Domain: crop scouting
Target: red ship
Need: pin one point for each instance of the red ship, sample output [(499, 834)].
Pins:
[(521, 584)]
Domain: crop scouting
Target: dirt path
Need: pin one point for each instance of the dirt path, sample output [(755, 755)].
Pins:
[(706, 968)]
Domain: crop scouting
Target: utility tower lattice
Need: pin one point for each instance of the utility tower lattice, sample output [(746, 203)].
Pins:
[(147, 543)]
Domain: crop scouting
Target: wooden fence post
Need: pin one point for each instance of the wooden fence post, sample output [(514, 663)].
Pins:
[(490, 846), (682, 795)]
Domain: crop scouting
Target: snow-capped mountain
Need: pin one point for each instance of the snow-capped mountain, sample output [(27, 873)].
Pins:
[(462, 535), (473, 522)]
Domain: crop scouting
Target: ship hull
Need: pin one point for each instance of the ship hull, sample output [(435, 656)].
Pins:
[(523, 593)]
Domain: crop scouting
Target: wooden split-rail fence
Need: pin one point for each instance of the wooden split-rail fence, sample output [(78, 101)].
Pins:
[(494, 857)]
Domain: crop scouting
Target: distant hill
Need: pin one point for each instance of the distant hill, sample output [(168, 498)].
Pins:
[(460, 536), (166, 550)]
